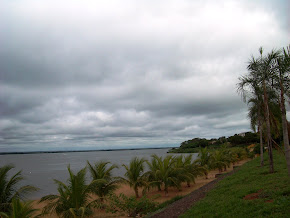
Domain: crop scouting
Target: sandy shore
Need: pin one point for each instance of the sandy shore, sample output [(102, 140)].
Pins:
[(199, 182)]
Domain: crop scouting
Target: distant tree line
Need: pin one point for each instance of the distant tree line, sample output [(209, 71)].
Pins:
[(235, 140)]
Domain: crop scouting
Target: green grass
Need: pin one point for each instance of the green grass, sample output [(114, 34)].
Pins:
[(226, 200)]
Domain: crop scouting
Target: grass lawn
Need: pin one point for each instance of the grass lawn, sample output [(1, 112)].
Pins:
[(268, 194)]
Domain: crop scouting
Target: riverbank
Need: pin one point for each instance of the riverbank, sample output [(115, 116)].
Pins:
[(173, 192)]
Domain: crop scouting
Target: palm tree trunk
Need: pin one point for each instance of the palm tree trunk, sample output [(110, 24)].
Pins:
[(159, 187), (269, 140), (285, 128), (166, 190), (136, 192), (261, 138)]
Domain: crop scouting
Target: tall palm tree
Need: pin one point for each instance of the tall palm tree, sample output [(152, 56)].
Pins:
[(282, 79), (265, 74), (73, 200), (20, 209), (260, 74), (257, 115), (135, 176), (102, 175), (9, 190)]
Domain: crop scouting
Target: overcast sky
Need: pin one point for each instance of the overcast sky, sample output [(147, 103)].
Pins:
[(115, 74)]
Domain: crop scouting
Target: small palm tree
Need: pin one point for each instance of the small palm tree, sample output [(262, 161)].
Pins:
[(102, 175), (204, 160), (9, 190), (218, 160), (135, 175), (153, 180), (167, 174), (74, 199), (227, 157), (20, 209), (188, 169)]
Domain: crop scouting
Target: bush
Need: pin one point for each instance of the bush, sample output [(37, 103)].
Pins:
[(257, 149), (130, 205)]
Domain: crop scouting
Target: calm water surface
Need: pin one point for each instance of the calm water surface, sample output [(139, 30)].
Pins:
[(40, 169)]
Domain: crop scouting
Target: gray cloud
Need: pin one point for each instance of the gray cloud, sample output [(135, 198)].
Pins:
[(107, 75)]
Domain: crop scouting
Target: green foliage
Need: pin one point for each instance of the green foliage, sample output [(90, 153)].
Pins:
[(172, 171), (20, 210), (9, 189), (73, 199), (130, 205), (188, 169), (219, 160), (249, 138), (204, 160), (104, 181), (239, 153), (165, 172), (227, 199), (184, 150), (257, 149), (195, 143), (134, 175)]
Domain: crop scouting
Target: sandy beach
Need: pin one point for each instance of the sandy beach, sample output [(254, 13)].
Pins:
[(199, 182)]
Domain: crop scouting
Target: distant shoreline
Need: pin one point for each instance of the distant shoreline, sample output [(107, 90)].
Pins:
[(70, 151)]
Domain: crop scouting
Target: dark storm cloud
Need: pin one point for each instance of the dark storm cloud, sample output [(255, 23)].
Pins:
[(95, 74)]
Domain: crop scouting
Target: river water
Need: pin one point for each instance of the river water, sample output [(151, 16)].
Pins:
[(41, 168)]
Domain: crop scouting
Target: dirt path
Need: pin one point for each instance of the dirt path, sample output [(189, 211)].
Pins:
[(181, 206)]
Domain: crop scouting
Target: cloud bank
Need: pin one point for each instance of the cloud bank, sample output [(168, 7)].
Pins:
[(97, 75)]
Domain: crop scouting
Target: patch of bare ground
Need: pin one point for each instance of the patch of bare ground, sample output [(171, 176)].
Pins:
[(258, 195), (252, 196)]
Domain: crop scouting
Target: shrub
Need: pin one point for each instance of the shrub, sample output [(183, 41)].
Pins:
[(130, 205)]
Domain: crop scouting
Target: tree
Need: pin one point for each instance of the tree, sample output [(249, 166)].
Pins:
[(102, 175), (264, 74), (281, 67), (135, 176), (188, 169), (256, 116), (204, 160), (260, 75), (20, 209), (73, 200), (219, 160), (9, 190), (167, 174), (152, 173)]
